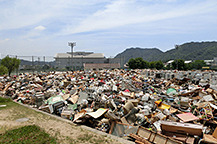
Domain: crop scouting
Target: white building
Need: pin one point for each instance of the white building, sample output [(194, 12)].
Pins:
[(188, 61), (75, 62)]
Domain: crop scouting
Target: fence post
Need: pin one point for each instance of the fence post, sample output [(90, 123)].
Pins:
[(44, 64), (39, 68), (17, 68), (33, 64)]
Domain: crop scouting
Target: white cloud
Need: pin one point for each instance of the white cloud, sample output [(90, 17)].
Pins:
[(40, 28), (171, 1), (5, 40), (35, 33), (72, 17), (126, 12), (100, 25), (23, 13)]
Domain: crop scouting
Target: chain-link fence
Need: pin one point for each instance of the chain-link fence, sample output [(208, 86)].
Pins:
[(36, 64), (119, 59), (33, 64)]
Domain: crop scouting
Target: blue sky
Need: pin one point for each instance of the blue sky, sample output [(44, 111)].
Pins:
[(44, 27)]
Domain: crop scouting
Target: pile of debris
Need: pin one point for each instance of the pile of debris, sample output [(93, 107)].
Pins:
[(145, 106)]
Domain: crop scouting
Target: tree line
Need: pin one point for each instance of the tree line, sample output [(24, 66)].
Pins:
[(8, 65), (179, 64)]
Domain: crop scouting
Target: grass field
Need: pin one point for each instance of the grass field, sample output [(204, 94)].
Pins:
[(42, 128), (30, 134)]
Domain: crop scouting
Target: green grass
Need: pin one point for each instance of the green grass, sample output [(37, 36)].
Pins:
[(3, 100), (6, 101), (92, 138), (34, 134), (25, 135), (85, 137)]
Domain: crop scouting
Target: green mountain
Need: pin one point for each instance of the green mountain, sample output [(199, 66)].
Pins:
[(147, 54), (186, 51)]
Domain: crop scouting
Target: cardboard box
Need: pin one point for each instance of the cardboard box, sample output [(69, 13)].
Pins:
[(154, 137), (184, 101), (177, 127), (186, 117), (182, 138), (67, 113), (209, 139), (214, 134)]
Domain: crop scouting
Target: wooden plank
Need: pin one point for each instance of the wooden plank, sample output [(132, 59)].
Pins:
[(112, 127)]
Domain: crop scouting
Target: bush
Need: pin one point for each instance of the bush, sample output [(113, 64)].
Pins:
[(3, 70)]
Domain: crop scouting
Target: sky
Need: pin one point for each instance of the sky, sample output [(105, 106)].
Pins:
[(44, 27)]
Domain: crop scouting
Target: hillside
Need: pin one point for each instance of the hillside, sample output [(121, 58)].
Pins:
[(147, 54), (26, 62), (186, 51)]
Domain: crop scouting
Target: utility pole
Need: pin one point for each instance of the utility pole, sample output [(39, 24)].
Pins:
[(72, 44), (177, 64), (38, 64), (17, 68), (33, 64), (82, 67), (110, 61), (123, 62), (177, 47), (120, 61), (44, 64)]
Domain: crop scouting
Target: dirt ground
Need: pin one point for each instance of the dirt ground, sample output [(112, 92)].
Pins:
[(64, 132)]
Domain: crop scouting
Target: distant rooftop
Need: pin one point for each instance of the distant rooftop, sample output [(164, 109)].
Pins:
[(80, 55), (188, 61), (101, 65), (170, 61)]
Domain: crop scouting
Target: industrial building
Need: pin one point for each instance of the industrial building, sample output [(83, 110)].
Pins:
[(77, 60)]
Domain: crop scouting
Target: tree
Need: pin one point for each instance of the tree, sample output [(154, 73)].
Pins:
[(178, 63), (10, 63), (198, 64), (177, 47), (3, 70), (159, 65), (131, 63), (188, 66), (137, 63), (152, 65), (168, 67), (146, 64)]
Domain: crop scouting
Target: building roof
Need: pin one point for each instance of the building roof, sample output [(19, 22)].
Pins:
[(62, 55), (101, 65), (208, 61), (170, 61), (189, 61), (92, 55)]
